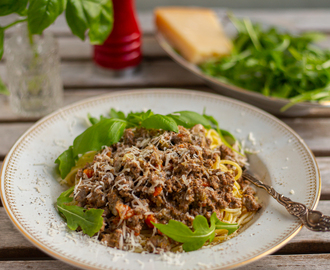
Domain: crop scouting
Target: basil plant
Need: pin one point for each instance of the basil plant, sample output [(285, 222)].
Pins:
[(94, 17)]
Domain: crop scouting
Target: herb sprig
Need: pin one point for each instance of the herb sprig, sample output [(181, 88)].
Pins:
[(275, 64), (94, 16), (90, 221), (193, 240), (108, 130)]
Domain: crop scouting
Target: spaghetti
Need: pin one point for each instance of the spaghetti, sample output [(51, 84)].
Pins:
[(153, 176)]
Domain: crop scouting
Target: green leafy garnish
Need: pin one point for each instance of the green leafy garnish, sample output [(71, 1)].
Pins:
[(90, 221), (97, 16), (42, 13), (193, 240), (159, 121), (108, 130), (65, 161), (105, 132), (188, 119), (275, 63)]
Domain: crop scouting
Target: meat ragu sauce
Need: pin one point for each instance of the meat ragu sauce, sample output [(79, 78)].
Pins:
[(154, 176)]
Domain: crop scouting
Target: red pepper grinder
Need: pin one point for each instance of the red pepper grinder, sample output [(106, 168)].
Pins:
[(122, 49)]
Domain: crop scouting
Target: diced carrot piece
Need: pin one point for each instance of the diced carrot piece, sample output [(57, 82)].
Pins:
[(149, 219), (89, 172), (124, 211), (205, 184), (158, 190)]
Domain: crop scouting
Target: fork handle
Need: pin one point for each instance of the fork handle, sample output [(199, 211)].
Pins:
[(313, 220)]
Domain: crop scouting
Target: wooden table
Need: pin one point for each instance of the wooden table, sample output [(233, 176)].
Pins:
[(80, 80)]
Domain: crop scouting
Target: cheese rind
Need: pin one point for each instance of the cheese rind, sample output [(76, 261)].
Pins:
[(195, 32)]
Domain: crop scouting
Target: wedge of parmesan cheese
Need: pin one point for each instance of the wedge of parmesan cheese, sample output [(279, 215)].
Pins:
[(195, 32)]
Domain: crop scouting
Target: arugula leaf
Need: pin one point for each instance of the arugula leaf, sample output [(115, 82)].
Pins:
[(158, 121), (188, 119), (230, 227), (193, 240), (9, 6), (90, 221), (65, 196), (229, 138), (42, 13), (105, 132), (95, 15), (65, 161), (181, 233), (274, 63)]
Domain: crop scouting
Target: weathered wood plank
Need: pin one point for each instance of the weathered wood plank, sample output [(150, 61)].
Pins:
[(324, 166), (36, 265), (301, 19), (14, 245), (293, 262), (162, 73), (70, 96), (72, 48), (9, 133)]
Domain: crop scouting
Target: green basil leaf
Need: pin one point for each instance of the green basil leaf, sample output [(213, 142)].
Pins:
[(65, 161), (42, 13), (136, 118), (11, 6), (105, 132), (97, 16), (76, 18), (158, 121), (188, 119), (117, 114), (102, 24), (90, 221)]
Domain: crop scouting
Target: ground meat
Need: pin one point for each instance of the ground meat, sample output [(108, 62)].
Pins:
[(158, 242), (155, 176), (250, 203)]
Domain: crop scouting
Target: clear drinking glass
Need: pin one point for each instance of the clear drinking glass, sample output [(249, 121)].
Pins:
[(33, 73)]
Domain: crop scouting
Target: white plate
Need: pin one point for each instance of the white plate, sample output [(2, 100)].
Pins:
[(270, 104), (29, 184)]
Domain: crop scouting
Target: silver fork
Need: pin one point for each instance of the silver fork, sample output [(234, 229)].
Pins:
[(313, 220)]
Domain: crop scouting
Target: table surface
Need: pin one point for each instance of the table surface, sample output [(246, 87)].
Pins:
[(306, 250)]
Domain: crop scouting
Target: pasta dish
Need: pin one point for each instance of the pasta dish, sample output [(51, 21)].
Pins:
[(152, 176)]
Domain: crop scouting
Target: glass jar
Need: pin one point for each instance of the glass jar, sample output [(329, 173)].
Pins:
[(33, 73)]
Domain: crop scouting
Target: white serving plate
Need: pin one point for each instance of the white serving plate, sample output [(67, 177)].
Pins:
[(29, 181), (269, 104)]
